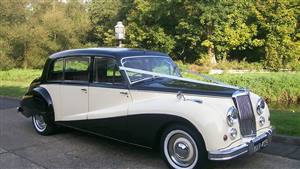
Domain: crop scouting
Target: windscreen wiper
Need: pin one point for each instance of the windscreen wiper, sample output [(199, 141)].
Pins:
[(146, 79)]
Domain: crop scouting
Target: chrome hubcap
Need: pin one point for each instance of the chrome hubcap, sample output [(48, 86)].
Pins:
[(39, 123), (180, 149)]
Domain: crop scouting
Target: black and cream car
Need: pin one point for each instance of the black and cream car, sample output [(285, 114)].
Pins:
[(140, 97)]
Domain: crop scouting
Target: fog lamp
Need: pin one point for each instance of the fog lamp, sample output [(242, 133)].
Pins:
[(262, 120), (233, 133)]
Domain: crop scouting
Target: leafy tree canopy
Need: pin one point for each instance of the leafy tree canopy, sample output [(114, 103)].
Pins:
[(194, 31)]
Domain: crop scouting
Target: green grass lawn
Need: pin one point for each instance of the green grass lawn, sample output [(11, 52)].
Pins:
[(13, 88), (285, 119), (14, 83), (286, 122)]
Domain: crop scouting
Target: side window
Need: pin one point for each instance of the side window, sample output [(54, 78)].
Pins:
[(106, 70), (77, 69), (56, 71)]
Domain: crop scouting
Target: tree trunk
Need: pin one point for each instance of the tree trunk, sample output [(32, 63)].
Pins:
[(211, 50), (212, 56), (25, 64)]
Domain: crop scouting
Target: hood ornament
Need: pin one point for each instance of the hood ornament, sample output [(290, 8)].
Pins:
[(180, 96)]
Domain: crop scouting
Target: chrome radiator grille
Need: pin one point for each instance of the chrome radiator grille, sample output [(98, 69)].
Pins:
[(246, 115)]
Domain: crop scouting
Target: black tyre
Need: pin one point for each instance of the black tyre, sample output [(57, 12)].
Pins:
[(42, 125), (183, 148)]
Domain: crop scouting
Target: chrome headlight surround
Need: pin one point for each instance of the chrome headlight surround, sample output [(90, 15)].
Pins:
[(260, 106), (231, 116)]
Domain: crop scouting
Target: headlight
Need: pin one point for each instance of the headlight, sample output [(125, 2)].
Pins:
[(232, 116), (260, 106)]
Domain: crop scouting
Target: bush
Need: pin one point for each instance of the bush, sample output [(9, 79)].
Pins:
[(276, 88), (238, 65), (204, 67), (20, 75), (282, 88), (6, 63)]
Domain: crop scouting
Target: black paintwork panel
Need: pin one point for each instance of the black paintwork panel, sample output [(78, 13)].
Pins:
[(37, 101), (173, 85), (109, 52), (31, 105), (144, 129)]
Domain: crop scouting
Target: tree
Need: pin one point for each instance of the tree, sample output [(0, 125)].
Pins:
[(9, 21), (144, 30), (194, 31), (277, 23), (31, 30), (104, 14)]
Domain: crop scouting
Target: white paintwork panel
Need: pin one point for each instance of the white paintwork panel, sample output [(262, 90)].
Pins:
[(208, 117), (107, 102), (74, 99)]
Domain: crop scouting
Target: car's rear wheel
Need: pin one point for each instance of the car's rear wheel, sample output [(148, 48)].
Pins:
[(42, 125), (183, 148)]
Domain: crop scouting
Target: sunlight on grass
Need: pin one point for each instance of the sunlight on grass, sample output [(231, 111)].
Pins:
[(15, 82)]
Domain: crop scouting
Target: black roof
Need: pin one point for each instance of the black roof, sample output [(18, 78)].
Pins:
[(115, 52)]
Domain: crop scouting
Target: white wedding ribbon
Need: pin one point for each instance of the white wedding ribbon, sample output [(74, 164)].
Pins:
[(171, 77)]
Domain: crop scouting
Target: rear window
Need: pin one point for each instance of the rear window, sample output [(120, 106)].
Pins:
[(56, 71)]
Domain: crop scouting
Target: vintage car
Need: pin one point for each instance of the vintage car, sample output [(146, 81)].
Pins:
[(139, 97)]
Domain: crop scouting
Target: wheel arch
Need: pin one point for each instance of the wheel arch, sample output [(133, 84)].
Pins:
[(178, 121), (37, 100)]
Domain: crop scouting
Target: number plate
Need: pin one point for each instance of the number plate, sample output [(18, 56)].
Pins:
[(261, 145)]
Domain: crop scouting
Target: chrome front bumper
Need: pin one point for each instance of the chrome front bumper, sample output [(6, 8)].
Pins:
[(247, 147)]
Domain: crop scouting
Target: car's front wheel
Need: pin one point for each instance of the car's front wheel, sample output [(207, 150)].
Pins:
[(42, 126), (183, 148)]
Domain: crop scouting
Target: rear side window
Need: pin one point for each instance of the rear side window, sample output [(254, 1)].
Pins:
[(106, 70), (56, 71), (77, 69)]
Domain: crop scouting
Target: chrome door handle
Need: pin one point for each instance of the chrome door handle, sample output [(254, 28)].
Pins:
[(84, 90), (124, 93)]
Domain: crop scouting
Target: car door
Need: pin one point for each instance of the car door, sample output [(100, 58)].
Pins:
[(74, 90), (53, 85), (108, 98)]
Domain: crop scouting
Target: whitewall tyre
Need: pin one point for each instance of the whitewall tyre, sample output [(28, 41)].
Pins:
[(42, 125), (183, 148)]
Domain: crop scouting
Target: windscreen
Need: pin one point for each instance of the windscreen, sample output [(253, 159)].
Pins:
[(155, 64)]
